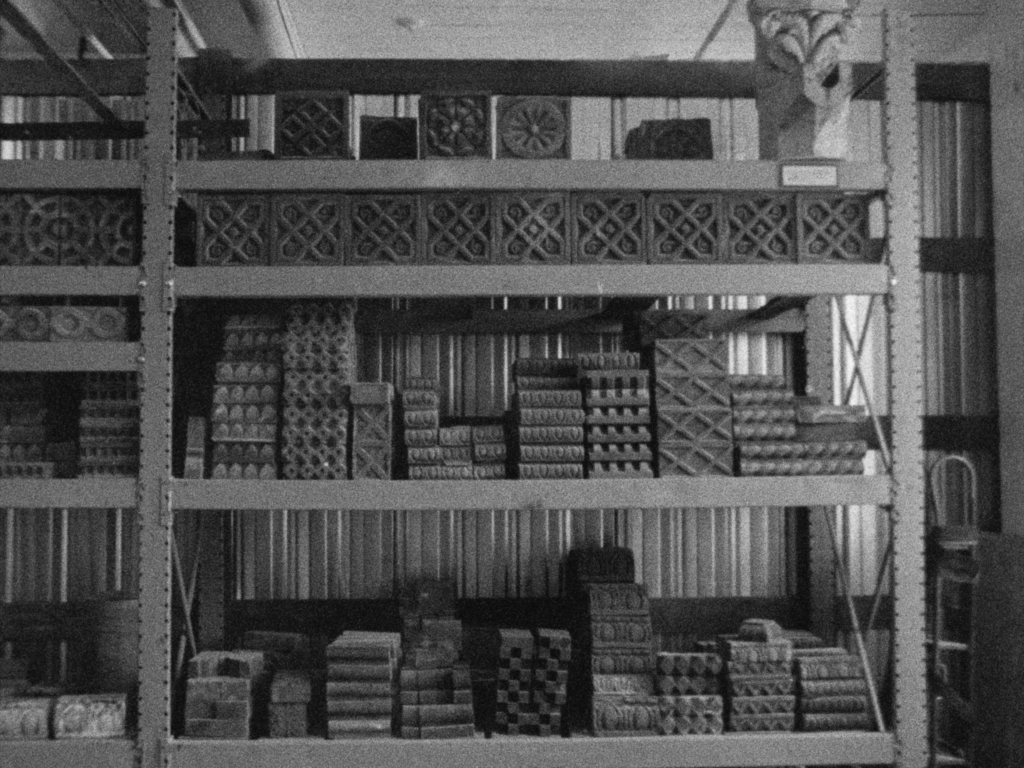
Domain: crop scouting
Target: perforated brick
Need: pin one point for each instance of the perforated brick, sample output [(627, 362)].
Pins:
[(534, 127), (233, 230), (608, 227), (458, 228), (685, 228), (455, 125), (761, 229), (100, 229), (533, 228), (313, 124), (308, 229), (384, 229)]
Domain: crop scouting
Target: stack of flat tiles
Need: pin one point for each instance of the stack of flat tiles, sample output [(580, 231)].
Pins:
[(513, 712), (319, 366), (226, 695), (90, 716), (421, 419), (549, 416), (551, 679), (490, 451), (362, 683), (765, 428), (437, 701), (245, 399), (689, 693), (617, 397), (108, 437), (372, 430), (759, 684), (694, 418), (24, 431), (832, 691), (291, 687)]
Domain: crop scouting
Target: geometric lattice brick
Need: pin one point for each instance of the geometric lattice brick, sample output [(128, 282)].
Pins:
[(308, 229), (671, 324), (387, 138), (101, 229), (761, 229), (609, 227), (833, 228), (533, 127), (458, 228), (695, 459), (692, 392), (685, 227), (674, 139), (371, 430), (233, 230), (455, 125), (691, 357), (311, 453), (313, 124), (321, 338), (703, 425), (384, 229), (533, 227), (44, 229)]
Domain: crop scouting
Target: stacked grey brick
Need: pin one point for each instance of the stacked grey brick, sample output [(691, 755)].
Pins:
[(549, 417), (617, 397)]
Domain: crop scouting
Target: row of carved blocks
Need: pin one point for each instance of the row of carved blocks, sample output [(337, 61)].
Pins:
[(44, 323), (51, 228), (87, 716), (532, 227)]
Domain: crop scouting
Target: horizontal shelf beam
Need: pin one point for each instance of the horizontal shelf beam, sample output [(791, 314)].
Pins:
[(69, 281), (666, 493), (77, 493), (645, 175), (95, 753), (126, 129), (770, 749), (533, 280), (57, 356), (71, 174)]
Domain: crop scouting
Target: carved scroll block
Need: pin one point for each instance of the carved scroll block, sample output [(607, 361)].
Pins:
[(550, 417), (758, 414), (811, 689), (101, 229), (233, 230), (534, 127), (689, 664), (549, 399), (834, 228), (768, 449), (455, 126), (551, 435), (384, 229), (830, 704), (387, 138), (532, 228), (761, 229), (551, 454), (25, 718), (97, 716), (609, 228), (312, 124), (458, 228), (673, 139), (691, 357), (750, 467), (44, 229), (749, 650), (464, 472), (550, 471), (616, 600), (308, 229)]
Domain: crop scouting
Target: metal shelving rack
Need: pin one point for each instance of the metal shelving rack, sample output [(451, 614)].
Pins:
[(158, 284)]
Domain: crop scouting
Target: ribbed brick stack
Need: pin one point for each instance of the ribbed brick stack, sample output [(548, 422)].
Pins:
[(362, 684), (689, 693), (24, 427), (548, 412), (291, 688), (765, 428), (617, 397), (108, 438), (832, 691), (319, 366), (759, 684), (693, 413), (490, 451), (513, 713), (372, 429), (225, 696), (421, 418), (244, 418)]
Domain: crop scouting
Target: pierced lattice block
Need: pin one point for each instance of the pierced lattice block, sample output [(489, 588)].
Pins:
[(533, 228), (608, 227), (455, 125), (458, 228), (695, 459), (761, 229), (387, 138), (684, 227), (309, 452), (534, 127), (88, 324), (692, 392), (834, 228), (321, 337), (233, 230), (673, 139), (44, 229), (101, 229), (308, 229), (691, 357), (312, 124), (700, 425), (384, 229), (371, 430)]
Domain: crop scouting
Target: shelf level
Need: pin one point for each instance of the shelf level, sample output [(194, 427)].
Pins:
[(56, 356), (95, 753), (71, 174), (533, 280), (770, 749), (689, 492), (69, 281), (641, 175), (84, 493)]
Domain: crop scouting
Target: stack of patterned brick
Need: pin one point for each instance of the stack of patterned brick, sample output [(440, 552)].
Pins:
[(90, 716), (362, 684), (421, 419), (108, 437), (513, 710), (245, 399), (689, 693), (623, 705), (549, 416), (291, 687), (319, 366), (372, 430), (25, 717), (759, 684), (490, 451), (832, 691), (551, 679), (617, 397), (226, 695), (24, 428), (694, 418), (765, 428)]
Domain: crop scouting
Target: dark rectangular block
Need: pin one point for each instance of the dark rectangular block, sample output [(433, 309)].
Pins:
[(337, 670), (387, 138), (437, 714), (670, 139), (288, 721), (361, 707), (218, 729), (546, 367), (540, 382)]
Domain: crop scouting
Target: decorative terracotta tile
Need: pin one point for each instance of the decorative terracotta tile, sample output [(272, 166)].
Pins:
[(534, 127), (458, 228), (384, 229), (313, 124), (233, 230), (761, 229), (609, 227), (308, 229), (834, 228), (13, 210), (102, 229), (533, 228), (453, 126), (685, 227)]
